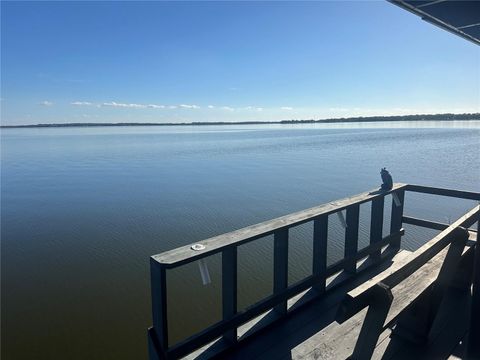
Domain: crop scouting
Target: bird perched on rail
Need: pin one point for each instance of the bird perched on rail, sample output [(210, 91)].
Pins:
[(387, 179)]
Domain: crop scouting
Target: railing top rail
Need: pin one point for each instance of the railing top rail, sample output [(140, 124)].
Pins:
[(469, 195), (185, 254)]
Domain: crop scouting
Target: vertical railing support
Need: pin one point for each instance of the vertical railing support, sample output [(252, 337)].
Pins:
[(319, 266), (351, 238), (396, 218), (229, 289), (376, 225), (159, 306), (280, 266), (473, 345)]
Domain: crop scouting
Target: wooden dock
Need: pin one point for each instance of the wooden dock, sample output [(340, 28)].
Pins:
[(376, 302)]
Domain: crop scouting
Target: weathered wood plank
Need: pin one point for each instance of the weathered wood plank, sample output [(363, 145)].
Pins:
[(473, 349), (424, 223), (333, 342), (376, 224), (398, 200), (320, 240), (469, 195), (158, 288), (280, 267), (351, 238), (229, 289), (215, 244), (154, 350)]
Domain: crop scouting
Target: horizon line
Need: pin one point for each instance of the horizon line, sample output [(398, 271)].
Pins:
[(413, 117)]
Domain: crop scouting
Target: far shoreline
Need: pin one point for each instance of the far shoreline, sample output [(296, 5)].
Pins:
[(410, 118)]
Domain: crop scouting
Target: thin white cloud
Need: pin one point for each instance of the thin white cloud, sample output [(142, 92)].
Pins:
[(286, 108), (45, 103), (119, 105), (259, 109), (228, 108), (123, 105), (211, 107), (81, 103), (186, 106)]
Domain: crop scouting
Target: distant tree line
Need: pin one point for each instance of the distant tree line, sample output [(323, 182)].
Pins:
[(432, 117)]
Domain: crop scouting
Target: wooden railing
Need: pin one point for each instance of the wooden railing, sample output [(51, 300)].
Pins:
[(227, 245)]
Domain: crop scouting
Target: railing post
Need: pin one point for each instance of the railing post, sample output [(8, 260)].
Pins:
[(351, 238), (280, 266), (319, 266), (159, 307), (396, 218), (473, 345), (229, 289), (376, 225)]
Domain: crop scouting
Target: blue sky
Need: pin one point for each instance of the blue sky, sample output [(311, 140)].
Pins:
[(228, 61)]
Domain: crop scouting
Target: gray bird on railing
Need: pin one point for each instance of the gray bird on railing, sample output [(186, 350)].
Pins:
[(387, 179)]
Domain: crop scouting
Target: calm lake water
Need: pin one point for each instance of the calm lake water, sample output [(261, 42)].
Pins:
[(82, 209)]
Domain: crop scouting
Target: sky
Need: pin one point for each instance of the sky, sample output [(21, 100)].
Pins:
[(228, 61)]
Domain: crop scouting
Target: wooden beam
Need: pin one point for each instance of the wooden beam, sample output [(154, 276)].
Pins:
[(424, 223), (158, 288), (469, 195), (185, 254), (376, 224), (229, 289), (320, 241), (398, 200), (473, 344), (280, 267), (154, 350), (351, 238)]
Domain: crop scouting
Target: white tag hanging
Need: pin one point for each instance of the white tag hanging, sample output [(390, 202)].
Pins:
[(341, 217), (202, 265), (396, 200)]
